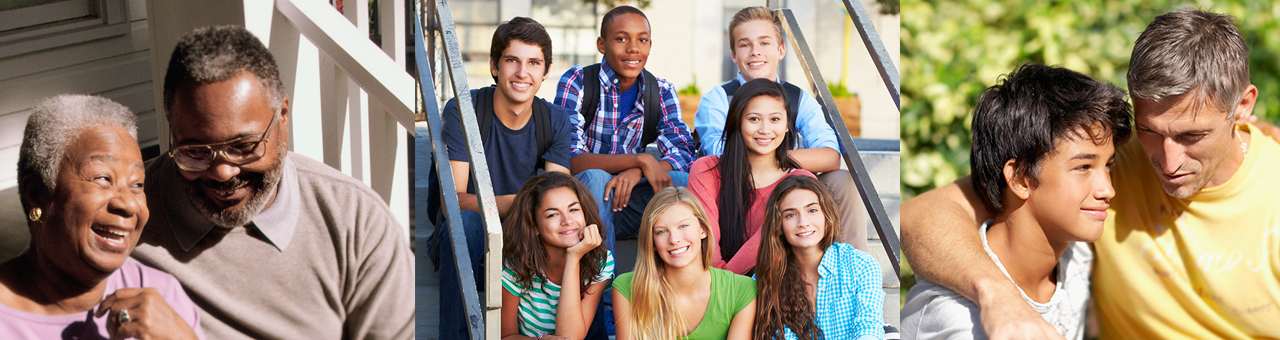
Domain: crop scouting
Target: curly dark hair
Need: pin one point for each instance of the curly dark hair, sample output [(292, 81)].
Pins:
[(215, 53), (522, 249)]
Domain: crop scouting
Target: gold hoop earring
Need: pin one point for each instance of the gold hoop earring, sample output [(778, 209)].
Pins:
[(35, 214)]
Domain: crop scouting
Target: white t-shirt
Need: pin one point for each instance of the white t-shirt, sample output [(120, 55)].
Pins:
[(935, 312)]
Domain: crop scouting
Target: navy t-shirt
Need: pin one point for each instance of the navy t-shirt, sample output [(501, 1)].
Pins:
[(512, 155)]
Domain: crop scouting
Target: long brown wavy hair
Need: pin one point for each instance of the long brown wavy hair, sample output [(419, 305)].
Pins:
[(522, 249), (780, 286), (653, 303)]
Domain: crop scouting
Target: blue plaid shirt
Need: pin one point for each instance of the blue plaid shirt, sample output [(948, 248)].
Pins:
[(617, 132), (850, 296)]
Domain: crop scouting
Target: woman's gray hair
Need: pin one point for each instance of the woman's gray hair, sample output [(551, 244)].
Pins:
[(55, 124), (1187, 51)]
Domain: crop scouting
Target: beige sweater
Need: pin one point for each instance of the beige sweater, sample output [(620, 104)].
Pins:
[(345, 271)]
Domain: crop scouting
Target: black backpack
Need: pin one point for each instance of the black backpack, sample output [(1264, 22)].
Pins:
[(794, 93), (652, 102)]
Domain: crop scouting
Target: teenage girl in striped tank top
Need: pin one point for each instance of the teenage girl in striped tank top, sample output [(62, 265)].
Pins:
[(554, 269)]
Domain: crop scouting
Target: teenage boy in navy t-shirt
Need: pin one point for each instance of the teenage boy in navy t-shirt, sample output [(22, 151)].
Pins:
[(519, 58)]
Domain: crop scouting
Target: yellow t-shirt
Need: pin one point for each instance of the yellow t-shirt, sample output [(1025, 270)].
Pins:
[(1203, 267)]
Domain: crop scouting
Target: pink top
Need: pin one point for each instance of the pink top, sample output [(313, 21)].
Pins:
[(17, 324), (704, 182)]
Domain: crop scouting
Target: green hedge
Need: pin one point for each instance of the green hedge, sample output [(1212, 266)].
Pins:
[(952, 50)]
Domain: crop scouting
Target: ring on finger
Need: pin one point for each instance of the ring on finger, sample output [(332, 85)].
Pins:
[(123, 317)]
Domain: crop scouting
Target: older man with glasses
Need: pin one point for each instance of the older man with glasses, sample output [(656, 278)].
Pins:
[(269, 244)]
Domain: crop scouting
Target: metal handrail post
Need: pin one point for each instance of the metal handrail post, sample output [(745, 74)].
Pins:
[(435, 122), (852, 159), (870, 38), (479, 172)]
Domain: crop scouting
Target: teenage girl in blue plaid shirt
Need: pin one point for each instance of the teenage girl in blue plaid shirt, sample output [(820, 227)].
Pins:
[(836, 286)]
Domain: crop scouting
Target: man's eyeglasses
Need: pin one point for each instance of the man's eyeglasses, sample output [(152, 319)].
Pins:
[(238, 151)]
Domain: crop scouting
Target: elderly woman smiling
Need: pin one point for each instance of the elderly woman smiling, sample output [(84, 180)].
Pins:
[(80, 180)]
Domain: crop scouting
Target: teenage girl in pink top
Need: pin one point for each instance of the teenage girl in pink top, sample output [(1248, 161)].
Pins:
[(758, 134)]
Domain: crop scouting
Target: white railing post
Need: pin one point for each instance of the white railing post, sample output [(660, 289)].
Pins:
[(366, 90)]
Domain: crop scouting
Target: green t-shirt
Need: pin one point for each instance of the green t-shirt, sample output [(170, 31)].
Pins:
[(730, 293)]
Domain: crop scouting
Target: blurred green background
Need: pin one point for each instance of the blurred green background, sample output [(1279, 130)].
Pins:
[(952, 50)]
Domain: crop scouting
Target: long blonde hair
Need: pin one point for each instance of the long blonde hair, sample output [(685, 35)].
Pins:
[(653, 302)]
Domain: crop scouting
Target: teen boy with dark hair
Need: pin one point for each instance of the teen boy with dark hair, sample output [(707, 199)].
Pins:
[(756, 47), (521, 133), (1049, 187), (618, 109)]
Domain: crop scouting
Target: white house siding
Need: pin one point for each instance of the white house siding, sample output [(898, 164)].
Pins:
[(107, 56)]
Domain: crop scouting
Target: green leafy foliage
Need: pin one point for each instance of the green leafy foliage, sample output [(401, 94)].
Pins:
[(952, 50), (692, 89), (890, 7), (838, 90)]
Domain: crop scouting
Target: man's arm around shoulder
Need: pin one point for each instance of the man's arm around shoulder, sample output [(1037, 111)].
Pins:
[(940, 239)]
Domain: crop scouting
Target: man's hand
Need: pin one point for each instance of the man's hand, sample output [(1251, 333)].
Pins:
[(654, 172), (620, 187), (1005, 315)]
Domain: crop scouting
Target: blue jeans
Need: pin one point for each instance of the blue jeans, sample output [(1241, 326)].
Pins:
[(453, 314), (623, 224)]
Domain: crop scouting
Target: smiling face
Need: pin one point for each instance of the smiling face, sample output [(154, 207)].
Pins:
[(1186, 148), (560, 218), (803, 223), (1074, 188), (677, 237), (519, 71), (95, 216), (229, 194), (764, 124), (757, 49), (626, 45)]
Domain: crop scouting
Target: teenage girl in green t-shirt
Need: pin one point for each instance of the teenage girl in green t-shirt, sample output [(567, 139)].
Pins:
[(674, 292)]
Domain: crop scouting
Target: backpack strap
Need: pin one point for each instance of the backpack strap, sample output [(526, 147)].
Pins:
[(729, 88), (794, 94), (542, 127), (590, 95), (652, 109), (483, 98)]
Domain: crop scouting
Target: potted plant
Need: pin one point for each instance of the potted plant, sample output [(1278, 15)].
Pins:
[(849, 105)]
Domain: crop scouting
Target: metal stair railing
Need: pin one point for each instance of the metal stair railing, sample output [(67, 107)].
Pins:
[(852, 159), (482, 322)]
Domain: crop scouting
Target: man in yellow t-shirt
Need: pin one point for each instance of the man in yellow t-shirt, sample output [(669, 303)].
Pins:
[(1191, 247)]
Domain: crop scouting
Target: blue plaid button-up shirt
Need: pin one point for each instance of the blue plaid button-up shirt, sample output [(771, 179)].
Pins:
[(850, 296), (617, 132)]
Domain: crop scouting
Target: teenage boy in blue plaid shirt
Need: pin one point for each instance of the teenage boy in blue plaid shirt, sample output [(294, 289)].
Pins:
[(608, 153)]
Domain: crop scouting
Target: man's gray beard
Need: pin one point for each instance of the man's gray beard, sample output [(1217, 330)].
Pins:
[(231, 218)]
